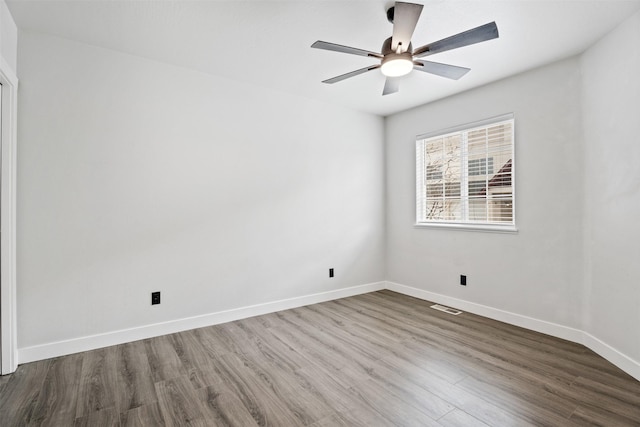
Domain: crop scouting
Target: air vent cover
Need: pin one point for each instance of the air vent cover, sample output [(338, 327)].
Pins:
[(446, 309)]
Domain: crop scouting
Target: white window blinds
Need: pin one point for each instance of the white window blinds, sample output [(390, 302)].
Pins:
[(465, 176)]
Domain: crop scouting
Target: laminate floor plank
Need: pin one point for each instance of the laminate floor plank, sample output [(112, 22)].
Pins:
[(103, 418), (4, 379), (98, 387), (269, 347), (205, 371), (436, 362), (193, 352), (220, 340), (352, 349), (390, 406), (183, 353), (277, 372), (455, 370), (599, 398), (372, 318), (245, 330), (335, 390), (355, 393), (342, 336), (141, 416), (590, 416), (264, 407), (356, 418), (399, 386), (58, 398), (620, 381), (163, 360), (203, 378), (537, 408), (488, 358), (494, 377), (133, 376), (590, 390), (223, 408), (209, 340), (179, 403), (458, 418), (379, 335), (274, 319), (284, 387), (22, 392), (470, 403), (399, 320), (378, 359), (305, 346)]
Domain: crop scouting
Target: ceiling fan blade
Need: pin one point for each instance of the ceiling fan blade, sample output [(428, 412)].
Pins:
[(344, 49), (405, 19), (391, 85), (351, 74), (475, 35), (444, 70)]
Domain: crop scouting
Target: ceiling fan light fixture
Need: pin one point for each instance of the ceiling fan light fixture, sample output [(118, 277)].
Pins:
[(397, 56), (396, 65)]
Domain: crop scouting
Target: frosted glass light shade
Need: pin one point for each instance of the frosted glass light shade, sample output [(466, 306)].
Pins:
[(396, 65)]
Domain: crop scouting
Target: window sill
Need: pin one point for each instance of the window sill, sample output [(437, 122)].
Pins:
[(487, 228)]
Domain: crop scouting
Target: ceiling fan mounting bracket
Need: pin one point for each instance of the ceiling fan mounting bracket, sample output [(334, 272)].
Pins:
[(390, 13)]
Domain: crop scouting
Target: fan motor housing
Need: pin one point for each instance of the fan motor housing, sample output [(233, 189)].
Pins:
[(386, 48)]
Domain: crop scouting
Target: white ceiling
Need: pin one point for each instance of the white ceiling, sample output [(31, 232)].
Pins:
[(267, 43)]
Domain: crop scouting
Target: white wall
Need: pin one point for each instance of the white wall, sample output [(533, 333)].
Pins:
[(137, 176), (8, 37), (536, 272), (611, 108)]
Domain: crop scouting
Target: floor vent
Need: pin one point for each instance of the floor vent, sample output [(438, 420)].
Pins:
[(446, 309)]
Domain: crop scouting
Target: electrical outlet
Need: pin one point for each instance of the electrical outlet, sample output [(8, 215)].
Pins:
[(155, 298), (463, 280), (331, 272)]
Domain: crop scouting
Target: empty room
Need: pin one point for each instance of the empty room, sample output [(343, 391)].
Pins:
[(320, 213)]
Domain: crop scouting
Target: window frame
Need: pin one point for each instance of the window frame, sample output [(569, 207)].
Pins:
[(421, 169)]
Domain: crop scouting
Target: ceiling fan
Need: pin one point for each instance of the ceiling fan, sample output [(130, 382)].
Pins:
[(398, 57)]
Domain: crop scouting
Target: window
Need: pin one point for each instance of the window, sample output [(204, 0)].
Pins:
[(481, 166), (465, 176)]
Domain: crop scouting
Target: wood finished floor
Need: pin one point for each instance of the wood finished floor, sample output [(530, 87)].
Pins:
[(380, 359)]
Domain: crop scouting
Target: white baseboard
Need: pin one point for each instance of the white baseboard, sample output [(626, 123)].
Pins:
[(619, 359), (76, 345), (537, 325), (92, 342)]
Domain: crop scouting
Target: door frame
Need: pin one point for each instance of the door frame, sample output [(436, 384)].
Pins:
[(8, 148)]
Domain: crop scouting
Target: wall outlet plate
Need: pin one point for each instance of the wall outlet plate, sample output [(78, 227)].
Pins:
[(155, 298)]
